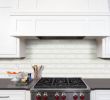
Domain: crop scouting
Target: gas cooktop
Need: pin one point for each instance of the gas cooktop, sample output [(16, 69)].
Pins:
[(60, 83)]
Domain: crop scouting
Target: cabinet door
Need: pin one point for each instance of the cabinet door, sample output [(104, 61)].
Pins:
[(100, 95), (7, 43), (10, 47), (103, 47), (99, 5), (12, 94), (28, 95)]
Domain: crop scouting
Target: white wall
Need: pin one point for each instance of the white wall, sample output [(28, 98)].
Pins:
[(72, 58)]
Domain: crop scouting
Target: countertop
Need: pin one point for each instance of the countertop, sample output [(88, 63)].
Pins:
[(7, 84), (99, 84)]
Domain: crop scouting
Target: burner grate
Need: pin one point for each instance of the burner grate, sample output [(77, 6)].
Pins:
[(60, 83)]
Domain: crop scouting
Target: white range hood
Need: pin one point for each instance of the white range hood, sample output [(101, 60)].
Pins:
[(42, 18), (35, 26), (63, 19)]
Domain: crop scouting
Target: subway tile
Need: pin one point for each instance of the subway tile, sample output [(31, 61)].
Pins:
[(61, 58)]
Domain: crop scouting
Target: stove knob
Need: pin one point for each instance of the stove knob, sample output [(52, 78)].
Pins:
[(38, 96), (45, 96), (56, 96), (75, 96), (63, 96), (82, 97)]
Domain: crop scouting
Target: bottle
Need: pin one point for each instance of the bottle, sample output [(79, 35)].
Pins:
[(29, 77)]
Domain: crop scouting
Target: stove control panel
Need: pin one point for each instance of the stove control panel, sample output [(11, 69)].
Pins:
[(61, 96)]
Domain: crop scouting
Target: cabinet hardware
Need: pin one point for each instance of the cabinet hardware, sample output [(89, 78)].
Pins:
[(4, 96)]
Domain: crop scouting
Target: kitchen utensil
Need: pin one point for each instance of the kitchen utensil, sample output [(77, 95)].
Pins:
[(37, 71)]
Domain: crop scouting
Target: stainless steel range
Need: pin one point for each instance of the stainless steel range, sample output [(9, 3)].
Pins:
[(60, 89)]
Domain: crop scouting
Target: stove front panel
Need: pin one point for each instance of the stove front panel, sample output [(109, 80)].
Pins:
[(58, 96)]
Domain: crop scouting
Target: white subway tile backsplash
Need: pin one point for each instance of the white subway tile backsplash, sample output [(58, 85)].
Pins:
[(61, 58), (60, 51)]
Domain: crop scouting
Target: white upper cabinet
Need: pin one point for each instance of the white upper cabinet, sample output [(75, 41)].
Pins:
[(10, 47), (7, 43), (63, 5), (103, 47)]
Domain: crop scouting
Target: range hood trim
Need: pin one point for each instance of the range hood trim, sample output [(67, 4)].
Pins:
[(43, 13), (35, 36)]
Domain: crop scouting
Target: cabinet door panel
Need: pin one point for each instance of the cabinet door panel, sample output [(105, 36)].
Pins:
[(26, 4), (63, 26), (100, 95), (25, 26), (63, 5), (12, 95), (103, 95), (99, 5), (5, 3), (7, 46), (98, 25), (7, 43)]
